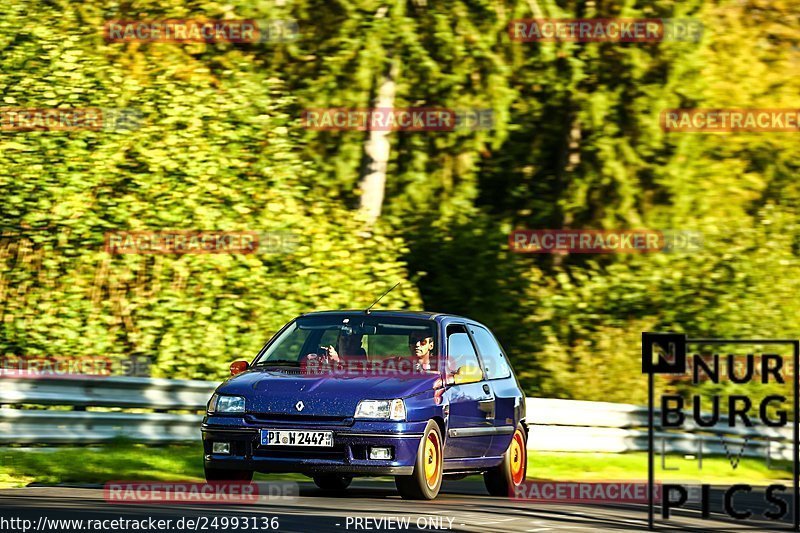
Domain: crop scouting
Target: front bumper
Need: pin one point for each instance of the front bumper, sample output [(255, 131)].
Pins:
[(349, 454)]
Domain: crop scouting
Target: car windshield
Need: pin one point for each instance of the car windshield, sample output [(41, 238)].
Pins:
[(356, 337)]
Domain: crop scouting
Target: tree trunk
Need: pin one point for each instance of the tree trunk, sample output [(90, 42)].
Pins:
[(376, 151)]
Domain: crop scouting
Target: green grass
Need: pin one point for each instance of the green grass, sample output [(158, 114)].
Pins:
[(117, 461), (633, 466), (124, 460)]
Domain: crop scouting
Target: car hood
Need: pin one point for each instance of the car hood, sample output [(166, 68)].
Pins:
[(279, 391)]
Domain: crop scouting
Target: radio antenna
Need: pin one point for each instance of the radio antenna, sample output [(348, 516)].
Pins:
[(379, 299)]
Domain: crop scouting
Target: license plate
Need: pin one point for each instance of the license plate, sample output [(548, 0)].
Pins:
[(286, 437)]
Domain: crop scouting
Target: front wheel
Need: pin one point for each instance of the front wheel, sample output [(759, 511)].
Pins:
[(216, 474), (505, 477), (332, 481), (426, 480)]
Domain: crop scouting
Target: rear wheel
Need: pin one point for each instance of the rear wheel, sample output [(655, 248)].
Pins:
[(504, 478), (216, 474), (426, 480), (332, 481)]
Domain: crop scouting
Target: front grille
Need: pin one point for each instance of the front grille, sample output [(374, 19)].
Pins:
[(278, 419), (338, 453)]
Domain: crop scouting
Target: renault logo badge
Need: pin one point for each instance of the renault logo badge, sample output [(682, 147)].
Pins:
[(299, 405)]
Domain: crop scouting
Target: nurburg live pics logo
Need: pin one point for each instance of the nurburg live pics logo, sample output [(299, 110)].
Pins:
[(665, 353)]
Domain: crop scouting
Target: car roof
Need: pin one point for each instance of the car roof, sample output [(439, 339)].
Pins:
[(390, 312)]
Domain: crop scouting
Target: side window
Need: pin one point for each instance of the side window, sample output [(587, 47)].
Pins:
[(494, 360), (462, 361)]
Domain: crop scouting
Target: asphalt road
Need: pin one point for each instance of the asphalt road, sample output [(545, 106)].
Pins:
[(462, 506)]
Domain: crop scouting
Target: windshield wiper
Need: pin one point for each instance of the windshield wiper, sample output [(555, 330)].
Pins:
[(277, 362)]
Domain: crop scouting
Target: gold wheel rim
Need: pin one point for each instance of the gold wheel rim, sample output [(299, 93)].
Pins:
[(431, 456), (516, 454)]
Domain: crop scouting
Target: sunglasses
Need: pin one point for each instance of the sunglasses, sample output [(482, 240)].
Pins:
[(422, 342)]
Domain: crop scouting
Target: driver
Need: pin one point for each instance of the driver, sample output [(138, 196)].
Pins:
[(421, 347), (349, 345)]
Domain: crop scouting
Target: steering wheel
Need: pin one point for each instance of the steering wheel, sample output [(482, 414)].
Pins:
[(321, 351)]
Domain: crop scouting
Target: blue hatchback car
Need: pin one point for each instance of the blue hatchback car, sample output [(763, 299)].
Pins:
[(334, 395)]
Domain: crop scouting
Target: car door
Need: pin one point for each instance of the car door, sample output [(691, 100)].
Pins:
[(469, 403), (506, 393)]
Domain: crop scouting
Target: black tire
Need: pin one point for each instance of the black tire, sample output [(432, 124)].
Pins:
[(419, 486), (332, 481), (217, 474), (505, 477)]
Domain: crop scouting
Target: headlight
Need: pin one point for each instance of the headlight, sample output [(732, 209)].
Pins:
[(226, 404), (381, 409)]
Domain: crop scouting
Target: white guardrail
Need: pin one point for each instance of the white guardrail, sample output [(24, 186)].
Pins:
[(555, 425)]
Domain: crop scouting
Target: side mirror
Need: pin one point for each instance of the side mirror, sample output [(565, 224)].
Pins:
[(237, 367)]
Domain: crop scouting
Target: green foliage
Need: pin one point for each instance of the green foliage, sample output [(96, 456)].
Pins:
[(576, 144), (217, 151)]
